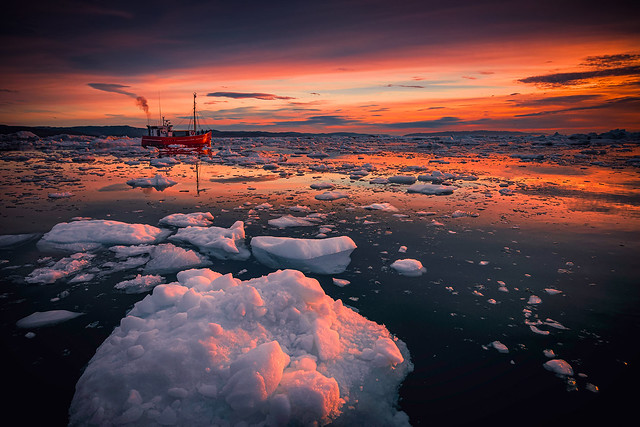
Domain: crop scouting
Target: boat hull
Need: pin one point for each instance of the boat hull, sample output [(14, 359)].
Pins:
[(189, 141)]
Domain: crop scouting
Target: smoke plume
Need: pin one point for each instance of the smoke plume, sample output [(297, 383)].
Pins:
[(141, 101)]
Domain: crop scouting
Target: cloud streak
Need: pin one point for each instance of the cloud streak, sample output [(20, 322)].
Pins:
[(248, 95)]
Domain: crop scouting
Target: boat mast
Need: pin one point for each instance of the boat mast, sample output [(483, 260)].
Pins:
[(194, 112)]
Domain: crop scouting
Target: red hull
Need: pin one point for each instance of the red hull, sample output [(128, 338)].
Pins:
[(190, 141)]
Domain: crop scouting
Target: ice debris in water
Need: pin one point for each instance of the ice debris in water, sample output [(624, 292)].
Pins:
[(61, 269), (199, 219), (46, 318), (332, 195), (387, 207), (139, 284), (434, 189), (559, 367), (63, 195), (168, 258), (409, 267), (326, 256), (292, 221), (222, 243), (501, 348), (274, 350), (94, 234), (159, 182)]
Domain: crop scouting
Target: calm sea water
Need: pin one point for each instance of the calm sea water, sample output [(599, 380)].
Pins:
[(569, 220)]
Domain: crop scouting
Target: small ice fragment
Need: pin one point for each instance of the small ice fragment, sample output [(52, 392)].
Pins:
[(533, 299), (340, 282), (559, 367), (551, 291), (387, 207), (549, 353), (500, 347), (63, 195), (46, 318), (331, 195), (409, 267), (538, 331), (402, 249), (202, 219)]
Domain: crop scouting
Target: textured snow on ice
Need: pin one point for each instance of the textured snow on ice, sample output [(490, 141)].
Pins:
[(139, 284), (94, 234), (326, 256), (222, 243), (332, 195), (387, 207), (195, 219), (168, 258), (214, 350), (291, 221), (409, 267), (61, 269)]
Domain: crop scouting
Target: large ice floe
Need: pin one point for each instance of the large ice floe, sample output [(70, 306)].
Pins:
[(222, 243), (159, 182), (214, 350), (94, 234), (325, 256)]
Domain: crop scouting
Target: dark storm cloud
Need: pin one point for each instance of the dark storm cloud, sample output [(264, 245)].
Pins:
[(578, 77), (606, 61), (557, 100), (125, 37), (245, 95)]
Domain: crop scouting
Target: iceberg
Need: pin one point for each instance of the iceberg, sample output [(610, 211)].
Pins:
[(159, 182), (326, 256), (409, 267), (213, 350)]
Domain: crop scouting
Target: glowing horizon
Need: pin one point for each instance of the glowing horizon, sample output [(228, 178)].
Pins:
[(421, 67)]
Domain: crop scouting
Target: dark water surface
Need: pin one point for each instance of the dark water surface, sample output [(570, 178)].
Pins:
[(571, 223)]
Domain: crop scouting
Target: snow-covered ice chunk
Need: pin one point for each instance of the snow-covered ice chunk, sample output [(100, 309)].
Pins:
[(274, 350), (387, 207), (168, 258), (94, 234), (139, 284), (409, 267), (46, 318), (61, 269), (291, 221), (534, 299), (326, 256), (222, 243), (340, 282), (434, 189), (559, 367), (159, 182), (195, 219), (332, 195)]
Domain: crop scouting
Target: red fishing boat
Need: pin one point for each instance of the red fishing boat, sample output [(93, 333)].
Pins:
[(165, 135)]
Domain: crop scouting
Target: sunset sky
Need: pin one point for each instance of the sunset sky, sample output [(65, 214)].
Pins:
[(324, 66)]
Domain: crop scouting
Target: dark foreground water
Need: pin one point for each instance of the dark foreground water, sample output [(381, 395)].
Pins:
[(566, 231)]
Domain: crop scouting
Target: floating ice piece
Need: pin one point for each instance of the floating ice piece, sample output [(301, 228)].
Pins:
[(379, 180), (340, 282), (274, 350), (168, 258), (299, 208), (538, 331), (559, 367), (322, 186), (534, 299), (61, 269), (195, 219), (402, 179), (222, 243), (387, 207), (549, 353), (462, 214), (326, 256), (555, 324), (46, 318), (140, 284), (332, 195), (63, 195), (409, 267), (93, 234), (433, 189), (9, 240), (159, 182), (163, 162), (551, 291), (500, 347), (290, 221), (506, 192)]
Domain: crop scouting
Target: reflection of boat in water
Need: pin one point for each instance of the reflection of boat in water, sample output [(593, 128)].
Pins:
[(163, 136)]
